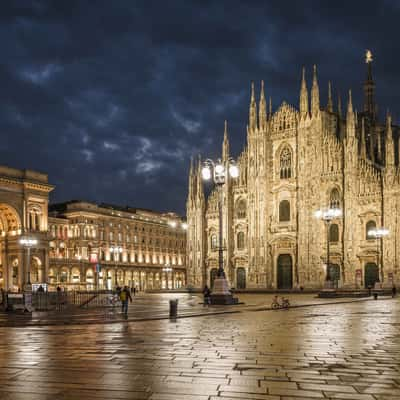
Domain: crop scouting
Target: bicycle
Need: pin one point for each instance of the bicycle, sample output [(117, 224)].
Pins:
[(275, 305), (114, 301)]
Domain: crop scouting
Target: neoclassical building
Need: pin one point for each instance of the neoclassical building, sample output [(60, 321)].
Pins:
[(295, 162), (81, 245), (102, 246), (24, 198)]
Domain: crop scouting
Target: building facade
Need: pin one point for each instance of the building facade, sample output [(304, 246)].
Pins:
[(81, 245), (295, 162), (24, 196), (104, 246)]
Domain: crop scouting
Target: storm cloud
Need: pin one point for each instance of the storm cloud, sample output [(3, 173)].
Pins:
[(111, 99)]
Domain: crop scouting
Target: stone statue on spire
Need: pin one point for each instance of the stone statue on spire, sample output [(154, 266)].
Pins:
[(368, 56)]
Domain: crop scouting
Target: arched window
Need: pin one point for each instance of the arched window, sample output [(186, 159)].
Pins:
[(240, 240), (370, 226), (334, 233), (241, 209), (334, 200), (284, 211), (214, 244), (285, 163)]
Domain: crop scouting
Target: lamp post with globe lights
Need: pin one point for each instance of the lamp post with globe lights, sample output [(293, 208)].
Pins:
[(116, 251), (328, 215), (167, 270), (219, 172), (379, 234), (28, 243)]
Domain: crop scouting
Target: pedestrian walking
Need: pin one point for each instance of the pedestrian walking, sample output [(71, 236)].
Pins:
[(394, 291), (207, 296), (125, 297), (134, 291)]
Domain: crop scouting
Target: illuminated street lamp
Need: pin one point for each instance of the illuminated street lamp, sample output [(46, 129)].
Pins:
[(116, 251), (379, 234), (167, 269), (219, 172), (328, 215), (28, 243)]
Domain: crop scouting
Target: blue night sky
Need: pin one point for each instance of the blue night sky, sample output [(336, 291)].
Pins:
[(112, 98)]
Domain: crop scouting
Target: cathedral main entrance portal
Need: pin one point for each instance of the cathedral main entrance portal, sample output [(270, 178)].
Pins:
[(371, 275), (285, 278)]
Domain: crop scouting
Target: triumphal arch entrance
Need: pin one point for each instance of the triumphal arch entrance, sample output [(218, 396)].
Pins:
[(24, 197)]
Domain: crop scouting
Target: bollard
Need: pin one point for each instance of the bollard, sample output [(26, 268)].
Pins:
[(173, 308), (376, 296)]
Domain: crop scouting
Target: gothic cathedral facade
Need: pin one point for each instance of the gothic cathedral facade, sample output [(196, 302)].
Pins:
[(294, 163)]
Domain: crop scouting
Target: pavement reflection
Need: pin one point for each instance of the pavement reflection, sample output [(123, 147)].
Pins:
[(340, 351)]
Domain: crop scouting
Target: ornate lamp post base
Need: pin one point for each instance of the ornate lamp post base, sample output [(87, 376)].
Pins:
[(221, 293), (329, 285)]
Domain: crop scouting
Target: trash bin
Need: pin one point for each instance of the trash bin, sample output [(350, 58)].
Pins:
[(173, 308), (376, 296)]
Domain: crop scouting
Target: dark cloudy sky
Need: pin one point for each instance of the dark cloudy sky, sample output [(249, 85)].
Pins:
[(111, 98)]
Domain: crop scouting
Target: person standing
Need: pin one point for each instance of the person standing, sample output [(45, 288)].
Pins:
[(125, 297), (207, 295)]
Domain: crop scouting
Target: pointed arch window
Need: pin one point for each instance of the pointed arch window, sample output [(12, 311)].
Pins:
[(214, 244), (285, 161), (370, 226), (241, 209), (334, 233), (284, 211), (240, 240), (334, 200)]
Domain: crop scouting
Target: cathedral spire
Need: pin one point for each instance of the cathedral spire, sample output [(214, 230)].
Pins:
[(303, 95), (253, 110), (270, 108), (199, 181), (369, 88), (225, 143), (363, 143), (191, 181), (339, 106), (379, 146), (350, 120), (315, 94), (389, 145), (329, 106), (371, 147), (262, 109)]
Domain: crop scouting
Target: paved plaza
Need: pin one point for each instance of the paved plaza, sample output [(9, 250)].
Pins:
[(156, 306), (337, 351)]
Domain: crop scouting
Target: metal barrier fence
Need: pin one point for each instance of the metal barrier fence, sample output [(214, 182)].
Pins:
[(60, 300)]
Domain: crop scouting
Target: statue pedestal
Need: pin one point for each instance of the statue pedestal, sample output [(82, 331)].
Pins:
[(221, 293), (328, 285)]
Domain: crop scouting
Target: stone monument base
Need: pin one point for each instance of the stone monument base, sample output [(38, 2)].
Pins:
[(221, 293)]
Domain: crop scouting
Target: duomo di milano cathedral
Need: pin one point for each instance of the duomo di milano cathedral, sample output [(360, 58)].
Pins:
[(295, 162)]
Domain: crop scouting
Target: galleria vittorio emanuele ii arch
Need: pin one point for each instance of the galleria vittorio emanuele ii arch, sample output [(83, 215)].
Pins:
[(23, 214)]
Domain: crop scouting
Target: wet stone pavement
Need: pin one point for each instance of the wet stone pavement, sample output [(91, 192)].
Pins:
[(154, 306), (338, 351)]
